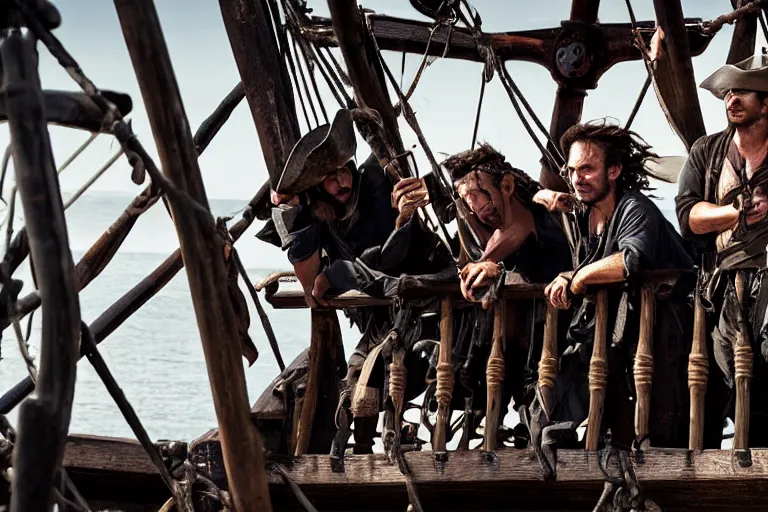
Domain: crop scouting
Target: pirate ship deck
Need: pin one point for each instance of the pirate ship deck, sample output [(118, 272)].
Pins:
[(87, 472)]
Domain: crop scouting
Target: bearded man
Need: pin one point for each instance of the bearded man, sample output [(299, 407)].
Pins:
[(621, 233), (722, 207), (511, 233), (342, 233)]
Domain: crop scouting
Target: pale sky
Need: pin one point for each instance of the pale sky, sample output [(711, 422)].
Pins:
[(445, 101)]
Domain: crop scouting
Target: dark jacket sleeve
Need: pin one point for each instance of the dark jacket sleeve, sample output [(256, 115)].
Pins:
[(692, 190), (638, 235)]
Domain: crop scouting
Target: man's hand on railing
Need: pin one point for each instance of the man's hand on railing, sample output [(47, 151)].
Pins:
[(556, 292), (319, 289), (477, 275)]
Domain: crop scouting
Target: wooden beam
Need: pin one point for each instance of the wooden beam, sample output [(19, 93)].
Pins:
[(267, 86), (676, 479), (744, 35), (674, 77), (364, 68), (410, 36), (43, 419), (202, 251)]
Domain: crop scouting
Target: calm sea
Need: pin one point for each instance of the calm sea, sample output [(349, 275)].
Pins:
[(156, 356)]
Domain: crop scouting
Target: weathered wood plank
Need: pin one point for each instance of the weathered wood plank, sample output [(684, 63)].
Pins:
[(109, 454)]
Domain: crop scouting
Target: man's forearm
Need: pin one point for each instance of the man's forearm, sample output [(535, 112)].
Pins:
[(605, 271), (709, 218), (307, 270)]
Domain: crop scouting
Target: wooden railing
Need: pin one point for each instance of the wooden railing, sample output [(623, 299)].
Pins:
[(653, 285)]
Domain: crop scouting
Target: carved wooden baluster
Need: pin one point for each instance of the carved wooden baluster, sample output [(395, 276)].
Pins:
[(397, 376), (698, 372), (444, 390), (743, 367), (644, 364), (598, 372), (548, 362), (495, 376)]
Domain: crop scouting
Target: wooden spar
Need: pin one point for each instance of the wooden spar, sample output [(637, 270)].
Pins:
[(76, 110), (214, 122), (675, 82), (364, 70), (744, 35), (43, 419), (411, 36), (265, 80), (103, 250), (202, 251)]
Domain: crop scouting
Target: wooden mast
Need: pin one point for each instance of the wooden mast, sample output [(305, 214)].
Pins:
[(675, 81), (569, 99), (202, 251), (267, 87), (364, 69)]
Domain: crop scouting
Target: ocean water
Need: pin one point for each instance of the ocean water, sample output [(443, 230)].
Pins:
[(156, 356)]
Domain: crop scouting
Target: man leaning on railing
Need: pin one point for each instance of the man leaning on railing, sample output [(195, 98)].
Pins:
[(619, 233)]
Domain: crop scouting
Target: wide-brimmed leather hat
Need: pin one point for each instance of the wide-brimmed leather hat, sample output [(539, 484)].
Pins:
[(319, 153), (750, 74)]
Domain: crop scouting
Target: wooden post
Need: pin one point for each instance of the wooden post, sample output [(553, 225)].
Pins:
[(326, 366), (494, 376), (674, 80), (598, 372), (644, 363), (548, 361), (444, 390), (202, 251), (743, 365), (265, 79), (698, 373), (44, 418), (569, 101)]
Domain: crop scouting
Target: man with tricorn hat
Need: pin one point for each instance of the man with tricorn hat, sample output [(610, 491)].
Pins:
[(342, 233), (620, 233), (722, 207)]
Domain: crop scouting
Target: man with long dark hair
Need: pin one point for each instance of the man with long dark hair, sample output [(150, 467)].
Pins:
[(620, 234), (722, 207)]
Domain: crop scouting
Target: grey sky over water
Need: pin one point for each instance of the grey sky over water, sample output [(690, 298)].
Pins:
[(445, 100)]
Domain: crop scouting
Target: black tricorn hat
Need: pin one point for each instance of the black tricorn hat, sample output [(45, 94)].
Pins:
[(750, 74), (319, 153)]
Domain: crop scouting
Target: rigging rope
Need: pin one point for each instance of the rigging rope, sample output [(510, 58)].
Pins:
[(479, 108)]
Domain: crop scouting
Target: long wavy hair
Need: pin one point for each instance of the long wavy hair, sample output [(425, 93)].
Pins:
[(619, 145), (486, 159)]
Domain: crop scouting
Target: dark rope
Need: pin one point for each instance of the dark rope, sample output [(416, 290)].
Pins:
[(479, 108), (306, 53), (89, 349), (639, 102), (303, 78), (294, 487), (259, 309)]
